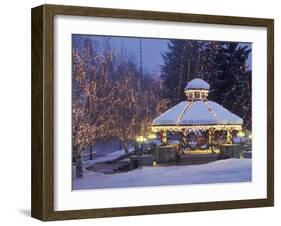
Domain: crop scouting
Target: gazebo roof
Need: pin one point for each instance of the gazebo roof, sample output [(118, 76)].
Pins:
[(197, 113)]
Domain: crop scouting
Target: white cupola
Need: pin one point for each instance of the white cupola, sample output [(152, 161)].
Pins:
[(197, 89)]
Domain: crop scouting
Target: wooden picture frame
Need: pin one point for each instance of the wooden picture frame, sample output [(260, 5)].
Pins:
[(42, 203)]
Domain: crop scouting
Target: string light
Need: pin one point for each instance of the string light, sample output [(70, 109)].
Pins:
[(151, 136), (241, 134), (105, 107), (140, 139), (178, 128)]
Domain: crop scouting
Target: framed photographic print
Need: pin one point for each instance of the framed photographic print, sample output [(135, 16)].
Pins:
[(141, 112)]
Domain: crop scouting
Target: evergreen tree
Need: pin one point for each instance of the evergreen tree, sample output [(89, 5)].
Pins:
[(208, 53), (181, 64), (222, 64), (230, 81)]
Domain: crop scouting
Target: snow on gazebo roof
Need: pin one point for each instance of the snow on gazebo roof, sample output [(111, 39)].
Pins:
[(197, 83), (198, 112)]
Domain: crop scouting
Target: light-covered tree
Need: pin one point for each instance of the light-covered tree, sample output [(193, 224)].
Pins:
[(108, 101)]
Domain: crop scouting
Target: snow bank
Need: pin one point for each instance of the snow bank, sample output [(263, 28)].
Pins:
[(222, 171), (107, 157)]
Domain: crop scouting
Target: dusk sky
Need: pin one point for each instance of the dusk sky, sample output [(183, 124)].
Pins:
[(152, 49)]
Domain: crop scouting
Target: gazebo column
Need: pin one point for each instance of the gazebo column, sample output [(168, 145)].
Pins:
[(229, 136), (164, 137), (211, 132)]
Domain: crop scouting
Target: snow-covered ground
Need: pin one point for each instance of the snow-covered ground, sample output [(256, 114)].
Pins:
[(222, 171)]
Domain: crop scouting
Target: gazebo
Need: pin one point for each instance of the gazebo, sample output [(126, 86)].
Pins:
[(198, 113)]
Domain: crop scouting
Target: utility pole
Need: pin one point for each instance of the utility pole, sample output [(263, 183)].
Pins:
[(141, 91), (141, 73)]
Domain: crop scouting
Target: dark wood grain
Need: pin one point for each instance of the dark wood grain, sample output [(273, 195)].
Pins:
[(42, 203), (159, 16), (42, 113), (37, 158), (270, 111)]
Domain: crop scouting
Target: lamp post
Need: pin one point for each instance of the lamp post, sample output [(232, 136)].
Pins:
[(241, 134), (141, 140), (151, 137)]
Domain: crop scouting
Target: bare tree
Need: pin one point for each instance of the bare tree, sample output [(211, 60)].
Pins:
[(108, 100), (92, 98)]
